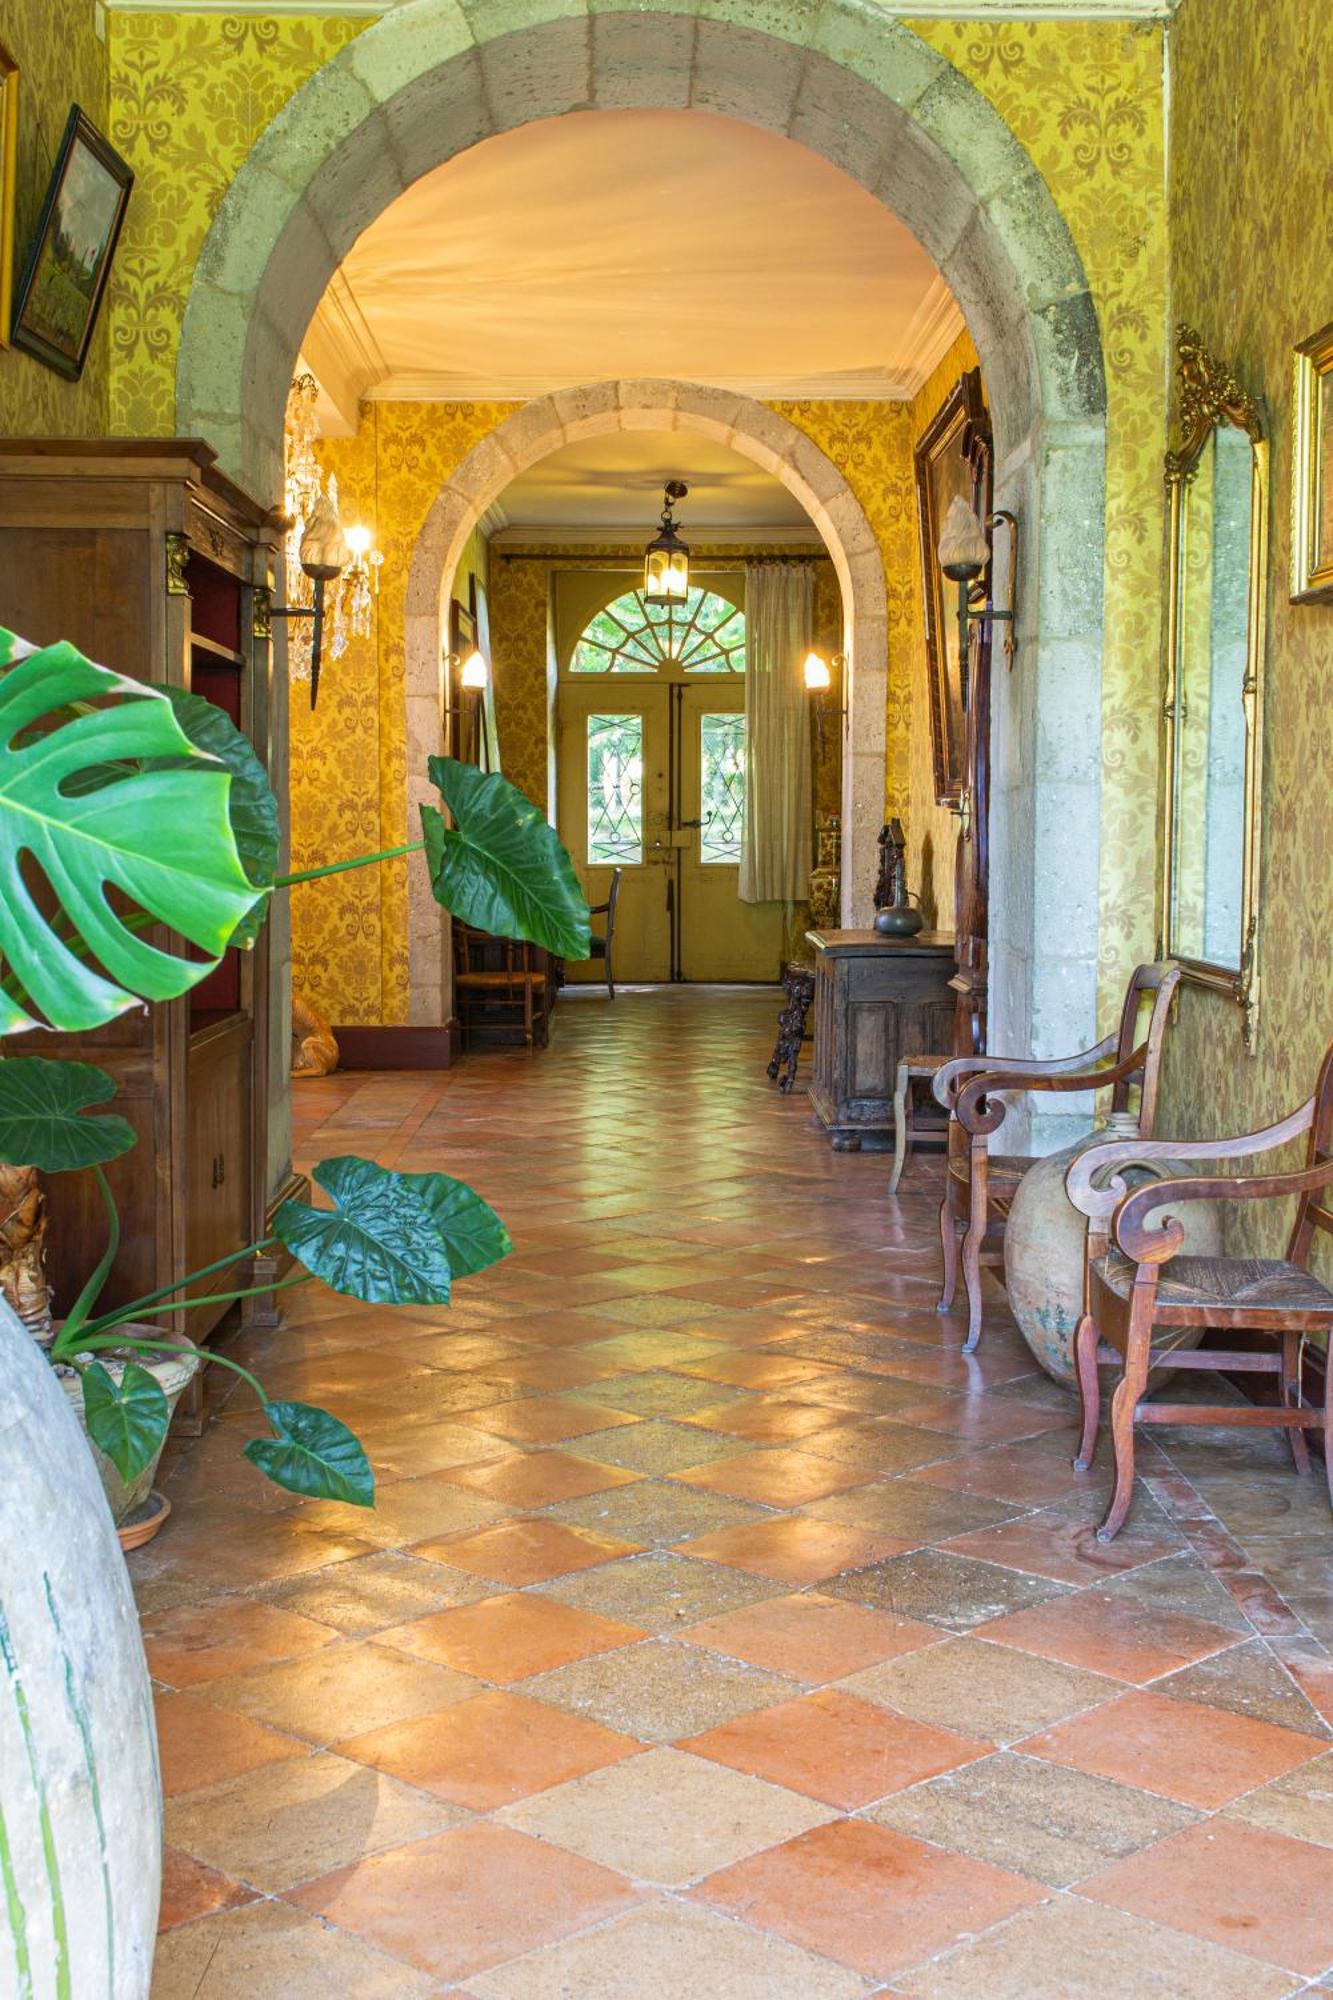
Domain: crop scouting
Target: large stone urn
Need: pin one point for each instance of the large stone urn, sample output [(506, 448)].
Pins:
[(1044, 1244), (79, 1787)]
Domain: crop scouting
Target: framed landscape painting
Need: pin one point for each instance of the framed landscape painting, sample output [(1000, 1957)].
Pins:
[(70, 260)]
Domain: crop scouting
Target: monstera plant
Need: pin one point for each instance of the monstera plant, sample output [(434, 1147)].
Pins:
[(125, 808)]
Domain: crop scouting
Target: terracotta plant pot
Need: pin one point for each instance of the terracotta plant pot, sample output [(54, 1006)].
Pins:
[(1043, 1251), (173, 1376), (79, 1786)]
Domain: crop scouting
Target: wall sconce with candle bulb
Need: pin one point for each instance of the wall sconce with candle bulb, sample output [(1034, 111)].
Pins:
[(817, 674), (966, 552)]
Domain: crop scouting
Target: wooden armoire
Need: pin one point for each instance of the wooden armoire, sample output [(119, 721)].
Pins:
[(153, 563)]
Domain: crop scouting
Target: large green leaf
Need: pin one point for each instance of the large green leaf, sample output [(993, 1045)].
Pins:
[(391, 1239), (500, 866), (251, 807), (313, 1453), (158, 834), (127, 1420), (41, 1121)]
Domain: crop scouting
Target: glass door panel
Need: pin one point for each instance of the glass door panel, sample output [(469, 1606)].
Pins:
[(613, 767)]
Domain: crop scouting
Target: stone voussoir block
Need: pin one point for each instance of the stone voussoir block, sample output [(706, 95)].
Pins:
[(857, 35), (404, 45)]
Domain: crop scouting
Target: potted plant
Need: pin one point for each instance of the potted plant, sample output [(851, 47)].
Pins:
[(110, 786)]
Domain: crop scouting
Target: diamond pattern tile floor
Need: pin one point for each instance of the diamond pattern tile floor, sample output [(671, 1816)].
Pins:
[(722, 1630)]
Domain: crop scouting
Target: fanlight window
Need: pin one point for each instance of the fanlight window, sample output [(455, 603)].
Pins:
[(704, 635)]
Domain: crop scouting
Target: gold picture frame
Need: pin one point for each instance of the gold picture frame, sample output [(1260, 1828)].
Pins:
[(9, 148), (1213, 405), (951, 460), (1312, 472)]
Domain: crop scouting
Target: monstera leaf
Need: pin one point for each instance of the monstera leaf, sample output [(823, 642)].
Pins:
[(391, 1239), (158, 834), (126, 1420), (313, 1453), (252, 809), (501, 866), (41, 1121)]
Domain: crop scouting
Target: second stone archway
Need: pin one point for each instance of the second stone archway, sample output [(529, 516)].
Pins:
[(755, 432)]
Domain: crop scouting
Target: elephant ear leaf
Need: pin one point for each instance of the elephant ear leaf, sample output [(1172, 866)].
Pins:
[(391, 1239), (501, 866), (126, 1420), (313, 1453), (103, 790), (41, 1116), (252, 809)]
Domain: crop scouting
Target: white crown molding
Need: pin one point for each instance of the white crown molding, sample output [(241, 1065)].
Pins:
[(493, 522), (902, 10), (935, 327), (431, 386), (521, 534)]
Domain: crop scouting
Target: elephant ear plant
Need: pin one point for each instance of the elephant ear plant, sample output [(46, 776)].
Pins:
[(141, 807)]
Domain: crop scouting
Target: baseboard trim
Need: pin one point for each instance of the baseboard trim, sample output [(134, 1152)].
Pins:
[(398, 1048)]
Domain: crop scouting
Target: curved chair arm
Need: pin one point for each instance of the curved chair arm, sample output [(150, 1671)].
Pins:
[(1096, 1186), (953, 1077), (976, 1113), (1156, 1246)]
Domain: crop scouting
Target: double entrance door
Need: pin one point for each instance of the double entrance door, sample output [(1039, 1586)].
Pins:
[(650, 779)]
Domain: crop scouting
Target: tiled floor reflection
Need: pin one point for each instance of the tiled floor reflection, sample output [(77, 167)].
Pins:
[(721, 1632)]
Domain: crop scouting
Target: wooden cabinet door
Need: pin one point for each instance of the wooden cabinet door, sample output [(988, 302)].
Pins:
[(219, 1168)]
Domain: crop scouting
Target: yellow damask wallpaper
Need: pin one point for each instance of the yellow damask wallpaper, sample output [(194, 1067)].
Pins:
[(1086, 99), (1252, 247), (190, 94), (349, 934), (61, 61)]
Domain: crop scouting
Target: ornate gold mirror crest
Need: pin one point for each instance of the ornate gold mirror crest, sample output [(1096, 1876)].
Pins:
[(1217, 486)]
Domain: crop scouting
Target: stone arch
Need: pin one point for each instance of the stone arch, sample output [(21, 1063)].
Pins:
[(433, 77), (747, 427)]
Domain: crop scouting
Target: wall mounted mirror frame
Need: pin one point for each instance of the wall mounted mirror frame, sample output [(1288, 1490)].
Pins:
[(1217, 489)]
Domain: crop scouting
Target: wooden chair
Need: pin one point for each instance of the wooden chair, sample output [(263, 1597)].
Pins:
[(602, 947), (1138, 1285), (980, 1185), (501, 975)]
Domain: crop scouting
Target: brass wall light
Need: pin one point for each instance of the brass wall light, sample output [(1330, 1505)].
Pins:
[(967, 557), (817, 673), (666, 559)]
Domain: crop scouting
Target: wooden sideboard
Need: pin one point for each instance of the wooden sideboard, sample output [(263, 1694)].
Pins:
[(153, 563), (877, 1000)]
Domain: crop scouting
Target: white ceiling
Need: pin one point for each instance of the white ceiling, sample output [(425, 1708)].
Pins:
[(629, 243), (613, 484)]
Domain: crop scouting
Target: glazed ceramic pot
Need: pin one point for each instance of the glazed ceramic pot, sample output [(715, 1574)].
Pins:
[(1043, 1249), (173, 1376), (79, 1787)]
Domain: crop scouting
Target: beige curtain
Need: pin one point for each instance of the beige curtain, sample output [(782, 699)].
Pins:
[(775, 836)]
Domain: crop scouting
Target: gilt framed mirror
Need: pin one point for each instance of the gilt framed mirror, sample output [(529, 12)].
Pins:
[(1217, 487)]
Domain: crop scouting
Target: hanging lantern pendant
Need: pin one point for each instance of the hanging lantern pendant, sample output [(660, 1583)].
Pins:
[(666, 559)]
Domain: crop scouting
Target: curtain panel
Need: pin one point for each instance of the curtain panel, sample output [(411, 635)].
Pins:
[(775, 835)]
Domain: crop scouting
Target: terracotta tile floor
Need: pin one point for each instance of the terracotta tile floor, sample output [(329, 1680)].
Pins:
[(721, 1631)]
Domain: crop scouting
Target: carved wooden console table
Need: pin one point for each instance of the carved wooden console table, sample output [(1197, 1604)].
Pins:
[(877, 1000)]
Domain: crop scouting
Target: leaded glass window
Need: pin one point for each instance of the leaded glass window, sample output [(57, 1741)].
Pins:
[(615, 790), (704, 635), (721, 787)]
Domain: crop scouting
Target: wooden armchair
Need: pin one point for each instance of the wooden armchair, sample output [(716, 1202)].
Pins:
[(1138, 1285), (501, 976), (604, 945), (980, 1185)]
